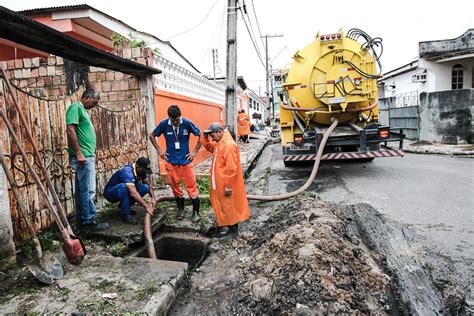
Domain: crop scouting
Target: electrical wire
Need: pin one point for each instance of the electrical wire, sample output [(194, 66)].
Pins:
[(252, 40), (258, 25), (195, 26), (220, 27)]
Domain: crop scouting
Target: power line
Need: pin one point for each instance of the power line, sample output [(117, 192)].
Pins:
[(220, 27), (192, 28), (258, 25), (251, 26), (252, 40)]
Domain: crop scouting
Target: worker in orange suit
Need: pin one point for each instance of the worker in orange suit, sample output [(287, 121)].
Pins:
[(228, 197), (178, 158), (243, 121)]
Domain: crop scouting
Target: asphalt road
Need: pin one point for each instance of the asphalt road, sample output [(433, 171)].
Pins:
[(433, 194)]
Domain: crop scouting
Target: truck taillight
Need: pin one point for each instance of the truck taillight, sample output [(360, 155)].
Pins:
[(298, 139), (384, 133)]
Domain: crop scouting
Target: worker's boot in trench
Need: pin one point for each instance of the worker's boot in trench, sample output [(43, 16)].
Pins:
[(196, 206), (232, 233), (180, 203)]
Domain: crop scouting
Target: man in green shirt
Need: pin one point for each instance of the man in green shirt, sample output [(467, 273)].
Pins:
[(82, 147)]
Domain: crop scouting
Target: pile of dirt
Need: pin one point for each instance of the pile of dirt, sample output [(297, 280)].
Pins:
[(294, 257)]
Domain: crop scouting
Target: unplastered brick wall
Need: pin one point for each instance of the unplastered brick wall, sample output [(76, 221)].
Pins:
[(46, 78), (43, 77)]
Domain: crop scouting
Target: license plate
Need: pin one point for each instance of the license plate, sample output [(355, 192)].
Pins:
[(303, 147)]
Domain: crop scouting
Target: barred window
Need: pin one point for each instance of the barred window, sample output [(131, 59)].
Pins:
[(457, 77)]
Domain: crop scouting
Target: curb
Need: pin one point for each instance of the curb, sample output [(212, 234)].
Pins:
[(435, 151)]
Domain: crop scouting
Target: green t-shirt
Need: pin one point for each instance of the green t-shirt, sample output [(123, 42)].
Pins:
[(77, 115)]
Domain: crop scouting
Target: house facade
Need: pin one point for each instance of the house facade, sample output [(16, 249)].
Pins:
[(431, 97)]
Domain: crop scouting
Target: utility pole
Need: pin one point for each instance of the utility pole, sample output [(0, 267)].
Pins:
[(267, 69), (214, 53), (231, 69)]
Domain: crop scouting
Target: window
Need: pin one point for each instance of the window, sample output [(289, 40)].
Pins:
[(457, 77)]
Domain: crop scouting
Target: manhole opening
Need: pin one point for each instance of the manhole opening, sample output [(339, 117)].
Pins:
[(179, 249)]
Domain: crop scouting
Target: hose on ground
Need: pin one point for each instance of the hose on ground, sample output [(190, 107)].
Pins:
[(311, 177)]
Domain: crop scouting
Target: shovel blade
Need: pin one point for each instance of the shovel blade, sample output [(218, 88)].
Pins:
[(46, 269), (74, 250)]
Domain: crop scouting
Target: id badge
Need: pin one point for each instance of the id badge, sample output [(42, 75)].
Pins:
[(176, 145)]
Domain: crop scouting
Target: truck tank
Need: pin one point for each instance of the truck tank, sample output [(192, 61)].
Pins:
[(335, 76)]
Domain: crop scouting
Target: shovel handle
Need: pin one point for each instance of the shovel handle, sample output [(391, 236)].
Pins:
[(14, 187), (30, 168), (26, 129)]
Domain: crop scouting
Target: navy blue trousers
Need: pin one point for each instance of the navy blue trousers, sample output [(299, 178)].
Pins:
[(120, 193)]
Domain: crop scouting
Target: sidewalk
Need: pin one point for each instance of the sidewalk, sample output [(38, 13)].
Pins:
[(424, 147), (248, 153)]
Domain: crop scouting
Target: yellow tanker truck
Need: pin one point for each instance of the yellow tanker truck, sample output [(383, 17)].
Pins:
[(335, 76)]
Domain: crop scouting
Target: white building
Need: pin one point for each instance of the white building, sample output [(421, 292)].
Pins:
[(442, 65), (431, 98)]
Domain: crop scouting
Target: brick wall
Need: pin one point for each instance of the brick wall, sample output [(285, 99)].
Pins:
[(46, 87)]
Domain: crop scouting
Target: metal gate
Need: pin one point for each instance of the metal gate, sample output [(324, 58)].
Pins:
[(402, 111), (121, 139)]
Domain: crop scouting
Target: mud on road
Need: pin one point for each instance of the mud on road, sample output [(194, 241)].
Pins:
[(297, 256)]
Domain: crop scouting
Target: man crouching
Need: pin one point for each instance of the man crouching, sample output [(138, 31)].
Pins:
[(129, 185)]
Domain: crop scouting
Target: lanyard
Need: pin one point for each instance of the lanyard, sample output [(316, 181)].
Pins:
[(175, 132)]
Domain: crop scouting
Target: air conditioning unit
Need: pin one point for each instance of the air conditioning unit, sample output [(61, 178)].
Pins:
[(418, 78)]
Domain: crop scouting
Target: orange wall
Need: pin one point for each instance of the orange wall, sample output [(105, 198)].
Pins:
[(201, 113)]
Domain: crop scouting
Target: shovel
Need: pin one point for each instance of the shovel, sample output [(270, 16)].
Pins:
[(45, 267), (72, 246)]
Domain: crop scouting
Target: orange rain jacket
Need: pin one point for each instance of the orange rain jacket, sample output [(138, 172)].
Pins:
[(226, 171), (243, 121)]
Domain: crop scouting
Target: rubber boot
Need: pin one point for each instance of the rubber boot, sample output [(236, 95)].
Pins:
[(196, 206), (233, 232), (180, 203)]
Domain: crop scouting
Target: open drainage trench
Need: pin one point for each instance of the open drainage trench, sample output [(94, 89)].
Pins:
[(171, 246)]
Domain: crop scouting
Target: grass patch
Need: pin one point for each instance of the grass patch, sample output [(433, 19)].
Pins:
[(103, 285), (63, 294), (203, 185), (49, 239), (118, 249), (146, 292)]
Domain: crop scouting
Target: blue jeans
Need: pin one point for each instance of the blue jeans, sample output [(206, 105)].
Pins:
[(120, 193), (84, 190)]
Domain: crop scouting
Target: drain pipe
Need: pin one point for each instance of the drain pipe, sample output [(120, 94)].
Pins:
[(150, 246), (311, 177)]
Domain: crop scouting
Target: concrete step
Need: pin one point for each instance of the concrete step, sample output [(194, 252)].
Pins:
[(126, 233)]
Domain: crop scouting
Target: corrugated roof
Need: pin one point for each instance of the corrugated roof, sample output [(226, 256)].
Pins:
[(23, 30)]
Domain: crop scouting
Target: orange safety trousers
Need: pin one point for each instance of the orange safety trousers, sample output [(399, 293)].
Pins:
[(186, 173)]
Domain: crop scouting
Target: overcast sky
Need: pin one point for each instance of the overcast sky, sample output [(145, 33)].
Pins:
[(195, 27)]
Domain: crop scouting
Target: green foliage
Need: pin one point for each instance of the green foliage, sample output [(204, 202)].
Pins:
[(144, 293), (157, 51), (132, 41), (103, 285), (118, 249), (204, 185), (49, 240), (64, 293)]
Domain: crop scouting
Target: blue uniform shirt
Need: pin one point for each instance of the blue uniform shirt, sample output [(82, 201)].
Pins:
[(124, 175), (181, 135)]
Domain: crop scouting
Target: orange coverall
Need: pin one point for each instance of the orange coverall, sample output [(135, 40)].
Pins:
[(226, 171), (243, 121)]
